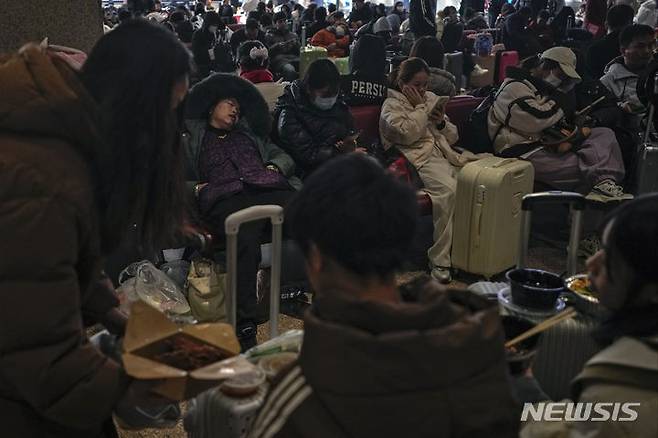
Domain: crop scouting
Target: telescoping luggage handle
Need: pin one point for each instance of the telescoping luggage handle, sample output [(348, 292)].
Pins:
[(232, 227), (577, 203)]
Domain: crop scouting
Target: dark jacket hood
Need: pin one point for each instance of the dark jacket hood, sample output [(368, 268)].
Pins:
[(218, 86), (434, 340), (431, 366)]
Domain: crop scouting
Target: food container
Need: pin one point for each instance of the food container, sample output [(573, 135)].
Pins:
[(273, 364), (534, 288), (519, 357), (244, 385), (580, 294), (187, 359)]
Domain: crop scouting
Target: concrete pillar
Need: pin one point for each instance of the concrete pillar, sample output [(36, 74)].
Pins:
[(73, 23)]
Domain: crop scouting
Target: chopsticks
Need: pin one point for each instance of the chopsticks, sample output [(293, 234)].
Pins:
[(544, 325)]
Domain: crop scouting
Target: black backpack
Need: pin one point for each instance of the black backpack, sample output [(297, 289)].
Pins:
[(475, 137)]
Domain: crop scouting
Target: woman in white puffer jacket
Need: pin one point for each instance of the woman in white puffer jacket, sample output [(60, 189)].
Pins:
[(410, 122)]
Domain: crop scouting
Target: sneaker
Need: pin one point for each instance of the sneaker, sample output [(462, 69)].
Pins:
[(246, 333), (608, 191), (589, 246), (479, 71), (442, 275)]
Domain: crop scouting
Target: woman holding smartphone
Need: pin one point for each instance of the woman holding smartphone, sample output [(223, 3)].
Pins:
[(413, 120)]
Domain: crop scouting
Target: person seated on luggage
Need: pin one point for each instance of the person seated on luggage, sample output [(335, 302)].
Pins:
[(250, 32), (335, 38), (430, 50), (366, 84), (283, 48), (621, 76), (319, 23), (474, 20), (208, 43), (235, 166), (623, 277), (602, 51), (364, 335), (530, 117), (517, 36), (542, 31), (253, 60), (313, 122), (360, 15), (412, 122)]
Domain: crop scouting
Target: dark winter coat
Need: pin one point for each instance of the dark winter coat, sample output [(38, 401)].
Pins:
[(421, 17), (307, 133), (53, 382), (432, 366)]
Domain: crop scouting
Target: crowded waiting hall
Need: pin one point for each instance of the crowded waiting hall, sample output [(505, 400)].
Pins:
[(329, 219)]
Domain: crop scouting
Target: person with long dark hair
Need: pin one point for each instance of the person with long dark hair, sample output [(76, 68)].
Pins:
[(85, 156), (624, 278)]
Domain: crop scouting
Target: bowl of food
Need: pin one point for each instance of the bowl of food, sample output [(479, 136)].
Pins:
[(519, 356), (582, 295), (534, 288)]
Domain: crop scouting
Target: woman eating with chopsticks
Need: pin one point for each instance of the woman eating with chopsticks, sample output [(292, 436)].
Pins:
[(624, 277)]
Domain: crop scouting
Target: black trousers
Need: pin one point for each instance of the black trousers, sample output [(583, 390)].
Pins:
[(249, 240)]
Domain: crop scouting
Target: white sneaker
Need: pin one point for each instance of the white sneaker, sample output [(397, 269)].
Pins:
[(479, 71), (608, 191)]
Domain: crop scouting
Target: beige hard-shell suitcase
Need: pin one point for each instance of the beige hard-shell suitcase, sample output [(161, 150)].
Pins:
[(488, 214)]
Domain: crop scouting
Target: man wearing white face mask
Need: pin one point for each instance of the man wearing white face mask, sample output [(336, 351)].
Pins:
[(313, 123), (531, 106)]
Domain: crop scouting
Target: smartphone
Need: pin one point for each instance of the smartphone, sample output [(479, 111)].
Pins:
[(440, 104)]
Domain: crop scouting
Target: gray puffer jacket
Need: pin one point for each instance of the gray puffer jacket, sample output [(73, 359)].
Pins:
[(442, 82), (622, 83)]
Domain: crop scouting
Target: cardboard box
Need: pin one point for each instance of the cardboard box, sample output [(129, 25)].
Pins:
[(150, 333)]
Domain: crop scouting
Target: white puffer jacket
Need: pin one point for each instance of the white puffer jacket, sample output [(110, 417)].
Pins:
[(410, 130), (523, 113), (647, 14)]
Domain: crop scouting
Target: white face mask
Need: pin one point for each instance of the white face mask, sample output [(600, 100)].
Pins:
[(553, 80), (568, 86), (325, 103), (340, 32)]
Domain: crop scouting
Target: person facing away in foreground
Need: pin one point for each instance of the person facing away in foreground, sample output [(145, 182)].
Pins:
[(77, 152), (378, 360), (624, 277)]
